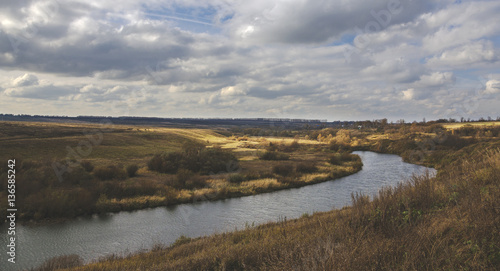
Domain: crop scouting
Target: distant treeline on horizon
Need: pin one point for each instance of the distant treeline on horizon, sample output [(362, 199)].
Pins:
[(287, 122)]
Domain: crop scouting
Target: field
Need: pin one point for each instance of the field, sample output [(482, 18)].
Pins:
[(447, 222), (66, 170), (474, 124)]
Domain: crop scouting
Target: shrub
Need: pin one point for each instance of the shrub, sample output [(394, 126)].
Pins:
[(77, 176), (216, 160), (335, 159), (183, 175), (283, 169), (348, 157), (236, 178), (205, 161), (456, 142), (132, 170), (109, 172), (305, 167), (196, 181), (339, 147), (87, 165), (274, 155)]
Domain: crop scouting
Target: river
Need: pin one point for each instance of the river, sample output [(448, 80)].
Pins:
[(124, 232)]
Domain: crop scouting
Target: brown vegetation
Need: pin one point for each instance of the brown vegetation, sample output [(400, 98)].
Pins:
[(447, 222), (68, 170)]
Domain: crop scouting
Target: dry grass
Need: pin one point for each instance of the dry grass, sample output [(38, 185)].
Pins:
[(458, 125), (448, 222), (122, 145)]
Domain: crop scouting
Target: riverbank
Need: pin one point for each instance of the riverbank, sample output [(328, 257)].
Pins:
[(71, 170), (445, 222), (97, 236)]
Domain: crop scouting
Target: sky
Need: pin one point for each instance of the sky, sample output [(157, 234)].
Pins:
[(308, 59)]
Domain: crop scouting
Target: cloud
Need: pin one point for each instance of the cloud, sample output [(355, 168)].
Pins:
[(408, 94), (436, 79), (25, 80), (232, 91), (492, 87), (309, 21), (479, 52), (322, 59), (46, 92)]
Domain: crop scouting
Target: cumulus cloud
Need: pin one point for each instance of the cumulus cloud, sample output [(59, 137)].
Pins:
[(232, 91), (45, 92), (493, 86), (25, 80), (408, 94), (312, 21), (466, 55), (436, 79)]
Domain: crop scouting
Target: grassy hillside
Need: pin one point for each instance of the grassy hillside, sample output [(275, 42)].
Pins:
[(447, 222)]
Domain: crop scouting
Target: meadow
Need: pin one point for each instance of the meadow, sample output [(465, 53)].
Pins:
[(66, 170), (446, 222)]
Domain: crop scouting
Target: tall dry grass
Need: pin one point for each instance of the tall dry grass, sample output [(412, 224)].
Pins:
[(448, 222)]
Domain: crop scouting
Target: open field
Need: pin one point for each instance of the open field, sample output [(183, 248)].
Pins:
[(447, 222), (84, 167), (474, 124)]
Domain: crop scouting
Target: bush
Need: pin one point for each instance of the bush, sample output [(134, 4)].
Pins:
[(339, 147), (236, 178), (456, 142), (109, 173), (166, 163), (348, 157), (205, 161), (274, 155), (335, 159), (338, 159), (183, 175), (77, 176), (132, 170), (306, 167), (196, 181), (87, 165), (283, 169)]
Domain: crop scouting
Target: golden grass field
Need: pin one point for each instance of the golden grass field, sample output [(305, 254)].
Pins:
[(474, 124)]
